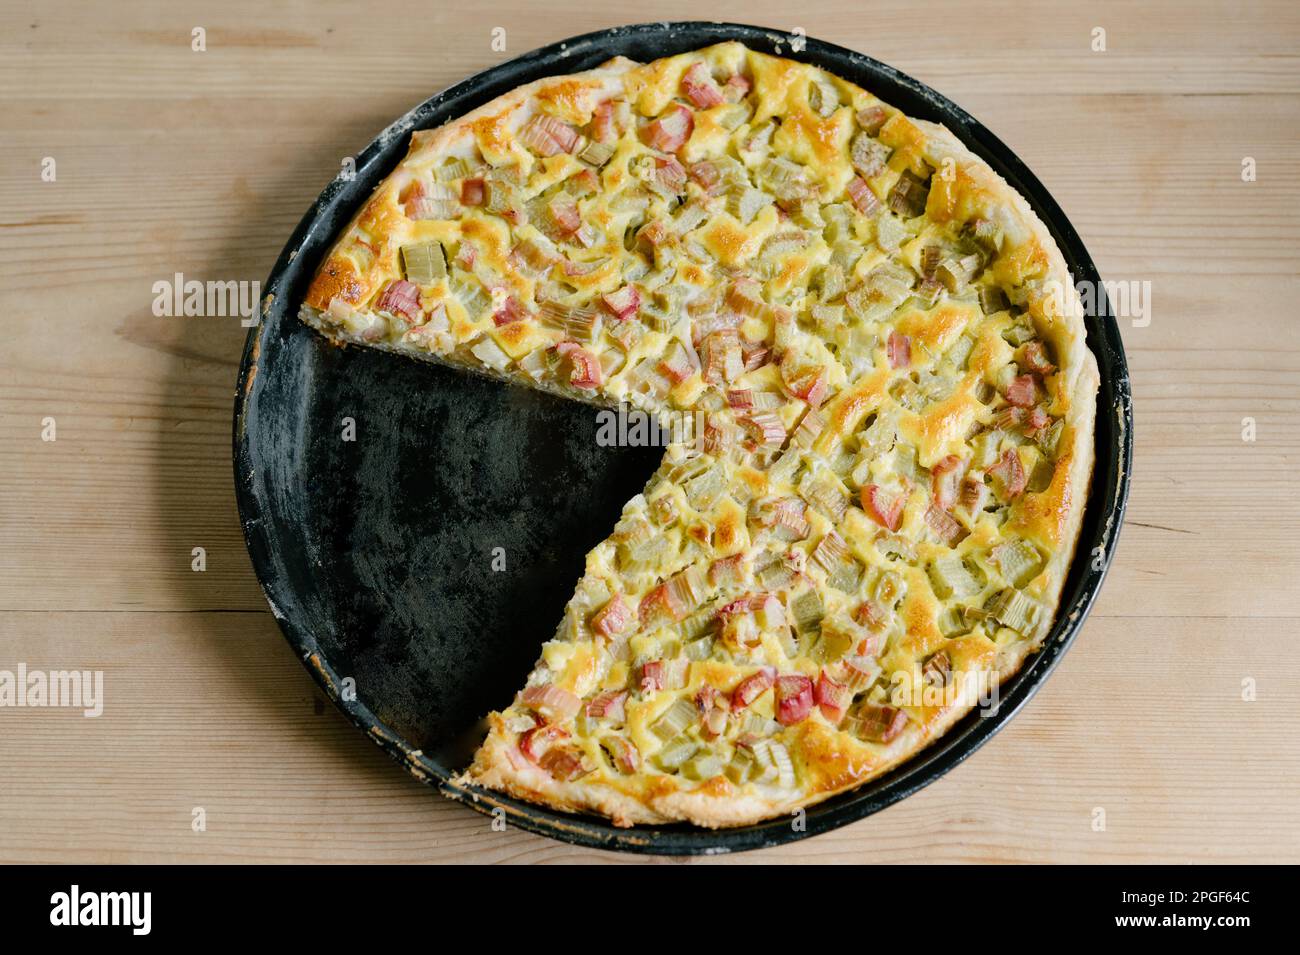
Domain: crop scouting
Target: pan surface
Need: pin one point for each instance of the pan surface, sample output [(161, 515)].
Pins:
[(417, 530)]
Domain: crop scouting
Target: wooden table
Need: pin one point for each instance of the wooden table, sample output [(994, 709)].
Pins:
[(170, 160)]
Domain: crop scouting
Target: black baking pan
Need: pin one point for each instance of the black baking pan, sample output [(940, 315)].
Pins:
[(381, 556)]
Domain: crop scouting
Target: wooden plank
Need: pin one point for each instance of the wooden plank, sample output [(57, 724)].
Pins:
[(1167, 47), (212, 710)]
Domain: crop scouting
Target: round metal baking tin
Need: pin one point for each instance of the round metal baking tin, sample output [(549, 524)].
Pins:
[(358, 543)]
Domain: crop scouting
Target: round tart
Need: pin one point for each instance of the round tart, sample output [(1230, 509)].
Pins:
[(870, 358)]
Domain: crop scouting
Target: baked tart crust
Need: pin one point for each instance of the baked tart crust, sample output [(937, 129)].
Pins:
[(880, 355)]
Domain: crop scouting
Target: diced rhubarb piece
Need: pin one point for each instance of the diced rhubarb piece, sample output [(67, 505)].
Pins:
[(699, 87), (1010, 472), (740, 399), (810, 386), (1037, 419), (472, 192), (677, 365), (736, 88), (931, 256), (626, 757), (425, 262), (1017, 560), (737, 607), (737, 626), (872, 616), (653, 676), (869, 158), (684, 590), (713, 707), (670, 174), (623, 303), (652, 235), (1036, 359), (595, 154), (833, 698), (548, 136), (511, 310), (752, 687), (938, 669), (928, 292), (877, 722), (562, 211), (714, 722), (426, 207), (1017, 610), (652, 605), (424, 200), (613, 618), (586, 367), (400, 297), (860, 671), (1023, 391), (899, 350), (416, 190), (586, 236), (671, 130), (705, 174), (727, 570), (1009, 418), (909, 195), (582, 183), (872, 118), (794, 699), (831, 552), (863, 199), (604, 126), (719, 435), (551, 702), (721, 358), (768, 430), (745, 297), (946, 475), (992, 299), (706, 696), (533, 256), (534, 743), (944, 525), (563, 763), (755, 356), (973, 495), (885, 509), (786, 518), (676, 673), (609, 705)]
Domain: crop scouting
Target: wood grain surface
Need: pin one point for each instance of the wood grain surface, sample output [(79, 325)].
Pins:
[(1174, 717)]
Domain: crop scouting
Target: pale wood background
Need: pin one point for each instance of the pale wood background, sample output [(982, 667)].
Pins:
[(171, 160)]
